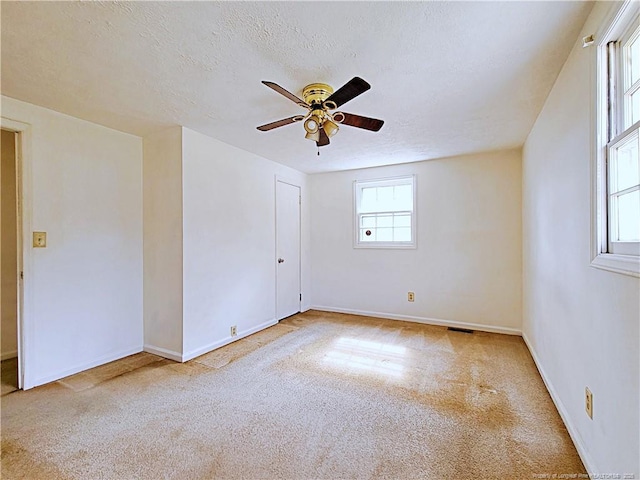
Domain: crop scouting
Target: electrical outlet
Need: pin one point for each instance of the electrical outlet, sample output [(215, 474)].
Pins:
[(588, 402), (39, 239), (234, 330), (411, 296)]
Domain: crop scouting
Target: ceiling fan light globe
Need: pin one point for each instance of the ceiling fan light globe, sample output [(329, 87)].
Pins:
[(313, 136), (312, 124), (330, 128)]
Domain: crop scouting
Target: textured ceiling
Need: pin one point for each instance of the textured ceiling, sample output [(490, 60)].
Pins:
[(448, 78)]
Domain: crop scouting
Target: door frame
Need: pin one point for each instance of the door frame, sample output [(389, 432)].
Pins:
[(24, 254), (288, 181)]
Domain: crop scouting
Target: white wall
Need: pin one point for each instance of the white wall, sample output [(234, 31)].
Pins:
[(8, 295), (229, 241), (163, 243), (468, 264), (581, 323), (86, 286)]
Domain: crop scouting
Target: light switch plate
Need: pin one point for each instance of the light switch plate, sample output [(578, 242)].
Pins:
[(39, 239)]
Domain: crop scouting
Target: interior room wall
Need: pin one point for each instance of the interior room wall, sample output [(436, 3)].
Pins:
[(229, 241), (163, 243), (9, 290), (467, 267), (581, 323), (86, 285)]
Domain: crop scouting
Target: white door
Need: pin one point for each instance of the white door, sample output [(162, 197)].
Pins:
[(287, 249)]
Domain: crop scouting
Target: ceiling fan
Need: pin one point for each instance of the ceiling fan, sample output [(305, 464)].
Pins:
[(319, 99)]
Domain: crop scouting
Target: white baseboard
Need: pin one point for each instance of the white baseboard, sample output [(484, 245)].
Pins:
[(163, 352), (226, 341), (573, 432), (110, 357), (425, 320), (9, 354)]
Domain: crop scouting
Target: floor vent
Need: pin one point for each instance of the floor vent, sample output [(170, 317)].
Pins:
[(461, 330)]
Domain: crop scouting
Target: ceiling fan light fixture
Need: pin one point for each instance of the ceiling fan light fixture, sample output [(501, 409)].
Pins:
[(313, 136), (319, 98), (312, 124), (330, 128)]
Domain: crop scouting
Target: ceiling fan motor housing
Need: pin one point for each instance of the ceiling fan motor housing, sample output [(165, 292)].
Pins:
[(316, 93)]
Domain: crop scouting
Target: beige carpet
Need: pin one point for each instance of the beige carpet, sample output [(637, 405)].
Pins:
[(318, 396)]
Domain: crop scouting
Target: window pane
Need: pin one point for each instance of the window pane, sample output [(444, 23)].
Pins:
[(385, 199), (367, 238), (404, 197), (368, 221), (385, 221), (635, 107), (402, 220), (391, 198), (634, 60), (368, 200), (624, 166), (385, 234), (628, 217), (402, 234)]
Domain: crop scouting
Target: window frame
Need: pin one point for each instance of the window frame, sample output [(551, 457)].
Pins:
[(358, 185), (625, 257), (616, 246)]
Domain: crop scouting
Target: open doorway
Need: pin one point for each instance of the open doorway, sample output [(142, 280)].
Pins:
[(9, 249)]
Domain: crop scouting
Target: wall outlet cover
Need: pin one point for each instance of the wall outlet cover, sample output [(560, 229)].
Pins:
[(39, 239)]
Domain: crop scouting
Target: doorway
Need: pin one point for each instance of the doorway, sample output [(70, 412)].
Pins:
[(288, 292), (9, 254)]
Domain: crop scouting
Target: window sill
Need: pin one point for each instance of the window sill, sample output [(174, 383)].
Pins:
[(624, 264), (389, 246)]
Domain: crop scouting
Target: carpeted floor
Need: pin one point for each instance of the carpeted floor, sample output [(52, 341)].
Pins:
[(318, 396)]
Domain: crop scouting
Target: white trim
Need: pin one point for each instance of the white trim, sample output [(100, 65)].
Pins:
[(86, 366), (566, 419), (9, 354), (162, 352), (226, 341), (387, 181), (425, 320), (612, 27), (625, 264), (25, 301)]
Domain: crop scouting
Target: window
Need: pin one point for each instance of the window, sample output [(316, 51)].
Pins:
[(385, 213), (617, 208)]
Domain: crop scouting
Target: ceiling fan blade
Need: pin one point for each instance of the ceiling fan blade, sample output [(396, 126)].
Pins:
[(324, 138), (348, 91), (280, 123), (367, 123), (286, 93)]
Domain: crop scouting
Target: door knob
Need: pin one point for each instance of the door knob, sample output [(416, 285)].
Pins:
[(281, 260)]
